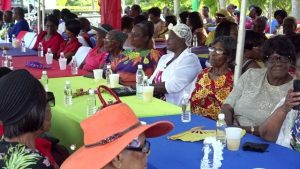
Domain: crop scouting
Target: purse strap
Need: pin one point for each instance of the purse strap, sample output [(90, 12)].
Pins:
[(104, 103)]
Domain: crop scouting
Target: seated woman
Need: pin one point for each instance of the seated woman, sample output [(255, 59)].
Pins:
[(121, 145), (252, 51), (214, 84), (25, 114), (195, 22), (259, 90), (70, 47), (95, 59), (141, 37), (283, 124), (50, 38), (176, 71), (85, 28)]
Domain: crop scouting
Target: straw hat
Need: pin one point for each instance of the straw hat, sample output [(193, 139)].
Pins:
[(107, 133)]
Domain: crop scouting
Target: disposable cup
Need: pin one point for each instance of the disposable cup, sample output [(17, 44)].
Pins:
[(114, 80), (98, 74), (62, 63), (49, 59), (148, 93), (233, 138)]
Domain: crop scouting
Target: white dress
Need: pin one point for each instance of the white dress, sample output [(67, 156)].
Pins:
[(179, 75)]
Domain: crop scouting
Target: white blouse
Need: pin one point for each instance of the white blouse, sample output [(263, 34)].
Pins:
[(178, 75)]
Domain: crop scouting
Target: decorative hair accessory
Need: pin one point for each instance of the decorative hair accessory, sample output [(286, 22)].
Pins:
[(39, 65)]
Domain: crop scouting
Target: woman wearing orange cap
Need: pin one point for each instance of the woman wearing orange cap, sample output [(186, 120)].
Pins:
[(115, 138)]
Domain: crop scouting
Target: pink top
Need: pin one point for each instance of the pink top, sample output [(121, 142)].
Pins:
[(94, 59)]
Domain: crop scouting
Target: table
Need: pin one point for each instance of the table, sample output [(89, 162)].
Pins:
[(186, 155), (66, 119), (20, 62), (16, 52)]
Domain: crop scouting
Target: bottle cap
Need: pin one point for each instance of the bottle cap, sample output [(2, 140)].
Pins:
[(140, 66), (44, 72), (49, 50), (62, 54), (40, 43), (221, 116), (145, 77), (91, 92), (108, 67), (68, 82)]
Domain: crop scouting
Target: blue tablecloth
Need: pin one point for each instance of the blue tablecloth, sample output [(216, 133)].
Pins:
[(168, 154), (15, 52)]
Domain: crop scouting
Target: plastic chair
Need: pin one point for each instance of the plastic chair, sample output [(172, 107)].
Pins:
[(32, 43), (28, 38), (82, 41), (81, 54), (21, 35)]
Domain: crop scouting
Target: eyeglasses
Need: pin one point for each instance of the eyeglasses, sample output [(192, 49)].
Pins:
[(280, 58), (217, 51), (144, 149), (50, 99)]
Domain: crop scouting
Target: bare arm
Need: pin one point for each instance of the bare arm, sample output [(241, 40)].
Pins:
[(229, 112), (270, 128)]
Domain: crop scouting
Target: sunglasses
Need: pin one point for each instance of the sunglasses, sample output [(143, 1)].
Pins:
[(135, 146), (50, 99)]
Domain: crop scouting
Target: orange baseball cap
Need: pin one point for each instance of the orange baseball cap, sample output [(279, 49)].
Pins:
[(107, 133)]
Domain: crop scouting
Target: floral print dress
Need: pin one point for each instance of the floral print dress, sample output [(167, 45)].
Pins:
[(19, 156), (209, 95)]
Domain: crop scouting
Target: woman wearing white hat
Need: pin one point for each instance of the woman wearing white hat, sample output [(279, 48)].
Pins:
[(176, 71)]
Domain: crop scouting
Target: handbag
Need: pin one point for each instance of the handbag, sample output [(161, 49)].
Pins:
[(110, 102)]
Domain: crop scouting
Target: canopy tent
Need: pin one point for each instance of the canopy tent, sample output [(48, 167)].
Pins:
[(5, 5), (111, 12)]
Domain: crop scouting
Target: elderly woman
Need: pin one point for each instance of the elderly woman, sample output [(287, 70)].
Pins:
[(176, 71), (70, 47), (259, 90), (283, 125), (140, 37), (252, 51), (214, 84), (113, 44), (95, 59), (121, 145), (195, 22), (50, 38), (25, 114)]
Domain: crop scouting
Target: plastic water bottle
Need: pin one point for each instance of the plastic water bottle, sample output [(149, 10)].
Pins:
[(41, 50), (4, 60), (62, 55), (23, 47), (107, 73), (186, 114), (7, 38), (195, 41), (220, 129), (13, 37), (91, 103), (68, 94), (208, 156), (139, 81), (74, 66), (10, 62), (44, 80), (49, 51), (145, 81)]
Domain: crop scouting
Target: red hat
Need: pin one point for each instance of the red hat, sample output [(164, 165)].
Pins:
[(107, 133)]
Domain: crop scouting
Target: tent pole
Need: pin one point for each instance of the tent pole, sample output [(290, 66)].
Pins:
[(43, 15), (39, 17), (240, 43)]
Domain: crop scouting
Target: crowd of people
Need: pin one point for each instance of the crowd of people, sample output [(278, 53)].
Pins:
[(261, 102)]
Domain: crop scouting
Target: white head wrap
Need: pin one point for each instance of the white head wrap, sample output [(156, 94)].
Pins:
[(182, 31)]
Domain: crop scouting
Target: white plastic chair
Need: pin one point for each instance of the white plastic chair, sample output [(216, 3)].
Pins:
[(28, 38), (31, 45), (82, 41), (81, 54)]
